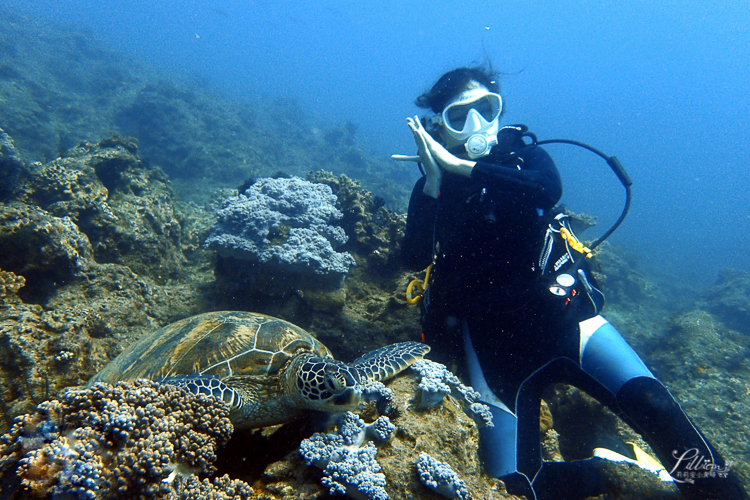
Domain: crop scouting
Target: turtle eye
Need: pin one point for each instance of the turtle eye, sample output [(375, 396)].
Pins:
[(335, 383)]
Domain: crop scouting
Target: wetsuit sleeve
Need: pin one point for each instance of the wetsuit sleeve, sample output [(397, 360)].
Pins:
[(538, 180), (416, 248)]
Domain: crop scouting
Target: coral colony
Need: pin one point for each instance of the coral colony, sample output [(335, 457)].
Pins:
[(287, 226)]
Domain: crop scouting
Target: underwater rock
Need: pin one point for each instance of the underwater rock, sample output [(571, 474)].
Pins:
[(41, 247), (10, 284), (443, 431), (124, 207), (121, 441), (84, 324), (285, 232), (72, 313), (729, 299), (12, 169), (707, 367)]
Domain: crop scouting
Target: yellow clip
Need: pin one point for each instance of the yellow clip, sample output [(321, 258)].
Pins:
[(574, 243), (420, 286)]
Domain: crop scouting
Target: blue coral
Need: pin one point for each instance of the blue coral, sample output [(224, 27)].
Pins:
[(355, 431), (121, 441), (439, 477), (381, 429), (437, 382), (383, 397), (285, 225), (348, 467), (357, 475)]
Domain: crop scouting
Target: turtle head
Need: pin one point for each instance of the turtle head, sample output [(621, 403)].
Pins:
[(328, 385)]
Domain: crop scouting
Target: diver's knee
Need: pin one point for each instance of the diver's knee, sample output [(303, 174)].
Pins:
[(647, 397)]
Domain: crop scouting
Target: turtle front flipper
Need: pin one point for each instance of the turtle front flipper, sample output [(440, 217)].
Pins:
[(209, 386), (386, 362)]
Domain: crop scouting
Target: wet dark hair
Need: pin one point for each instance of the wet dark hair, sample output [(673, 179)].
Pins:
[(453, 83)]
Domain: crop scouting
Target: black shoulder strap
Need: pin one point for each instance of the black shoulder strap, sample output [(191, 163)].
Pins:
[(510, 140)]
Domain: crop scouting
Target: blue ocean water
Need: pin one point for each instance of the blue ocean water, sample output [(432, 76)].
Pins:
[(664, 86)]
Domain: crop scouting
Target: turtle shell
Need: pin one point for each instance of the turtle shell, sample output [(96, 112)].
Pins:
[(219, 344)]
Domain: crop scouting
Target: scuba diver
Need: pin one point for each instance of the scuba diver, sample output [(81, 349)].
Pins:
[(511, 297)]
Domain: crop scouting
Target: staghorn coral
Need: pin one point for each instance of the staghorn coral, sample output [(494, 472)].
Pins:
[(121, 441)]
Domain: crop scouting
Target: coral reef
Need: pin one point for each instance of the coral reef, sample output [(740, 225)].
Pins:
[(348, 464), (221, 488), (122, 441), (706, 366), (10, 284), (41, 247), (12, 168), (123, 206), (59, 86), (65, 313), (444, 431), (439, 477), (95, 251), (437, 382), (375, 232), (283, 231)]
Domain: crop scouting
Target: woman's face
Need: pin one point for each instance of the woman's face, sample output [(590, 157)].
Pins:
[(447, 138)]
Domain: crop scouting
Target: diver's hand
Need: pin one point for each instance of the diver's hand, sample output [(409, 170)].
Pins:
[(432, 169), (447, 160)]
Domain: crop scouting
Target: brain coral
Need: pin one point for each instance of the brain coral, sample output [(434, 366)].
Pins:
[(286, 228), (140, 440)]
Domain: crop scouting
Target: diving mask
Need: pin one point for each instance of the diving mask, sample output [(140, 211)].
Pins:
[(472, 120)]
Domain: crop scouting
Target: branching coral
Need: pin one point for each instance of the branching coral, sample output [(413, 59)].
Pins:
[(437, 382), (121, 441), (384, 398), (349, 467), (439, 476)]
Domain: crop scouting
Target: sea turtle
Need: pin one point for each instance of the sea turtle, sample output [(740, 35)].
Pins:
[(267, 369)]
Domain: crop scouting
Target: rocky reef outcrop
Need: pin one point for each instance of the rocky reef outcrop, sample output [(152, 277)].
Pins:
[(90, 253)]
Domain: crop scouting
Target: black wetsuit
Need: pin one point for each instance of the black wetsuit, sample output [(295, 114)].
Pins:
[(485, 235)]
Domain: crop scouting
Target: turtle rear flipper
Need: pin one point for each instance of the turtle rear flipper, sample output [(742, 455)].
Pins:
[(209, 386), (386, 362)]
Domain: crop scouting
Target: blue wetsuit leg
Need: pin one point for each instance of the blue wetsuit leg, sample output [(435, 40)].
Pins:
[(606, 356), (498, 441), (651, 410)]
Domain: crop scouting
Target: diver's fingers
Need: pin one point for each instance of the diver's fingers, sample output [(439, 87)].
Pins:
[(406, 158), (418, 122)]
